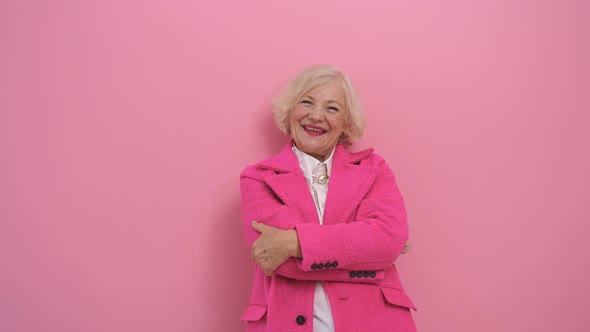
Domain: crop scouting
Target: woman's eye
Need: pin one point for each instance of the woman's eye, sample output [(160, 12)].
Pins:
[(306, 102), (333, 109)]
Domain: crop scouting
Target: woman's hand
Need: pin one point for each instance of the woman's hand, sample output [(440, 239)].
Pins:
[(273, 247), (407, 247)]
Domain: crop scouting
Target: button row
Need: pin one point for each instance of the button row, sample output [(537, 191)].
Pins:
[(328, 265), (362, 274)]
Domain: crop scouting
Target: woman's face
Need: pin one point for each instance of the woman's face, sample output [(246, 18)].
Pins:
[(317, 120)]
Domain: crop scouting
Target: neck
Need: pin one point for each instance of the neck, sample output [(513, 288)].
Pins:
[(321, 157)]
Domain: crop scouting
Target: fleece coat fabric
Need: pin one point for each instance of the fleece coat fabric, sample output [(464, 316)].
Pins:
[(353, 253)]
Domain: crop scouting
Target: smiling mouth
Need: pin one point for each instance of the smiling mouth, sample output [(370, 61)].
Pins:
[(314, 130)]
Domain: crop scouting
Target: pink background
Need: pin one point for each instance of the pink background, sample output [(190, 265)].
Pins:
[(124, 125)]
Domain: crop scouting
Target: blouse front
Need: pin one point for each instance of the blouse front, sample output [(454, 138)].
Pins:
[(317, 175)]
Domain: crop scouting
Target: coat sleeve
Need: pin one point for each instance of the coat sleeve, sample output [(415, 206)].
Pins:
[(372, 241), (261, 204)]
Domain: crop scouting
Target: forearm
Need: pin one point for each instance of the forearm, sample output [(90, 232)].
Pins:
[(322, 271), (371, 240), (357, 245)]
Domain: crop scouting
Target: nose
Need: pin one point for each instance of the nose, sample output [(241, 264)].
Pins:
[(316, 114)]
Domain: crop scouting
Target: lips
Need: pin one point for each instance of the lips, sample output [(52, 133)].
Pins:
[(314, 130)]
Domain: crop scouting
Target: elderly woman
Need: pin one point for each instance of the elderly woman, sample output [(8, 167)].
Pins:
[(325, 226)]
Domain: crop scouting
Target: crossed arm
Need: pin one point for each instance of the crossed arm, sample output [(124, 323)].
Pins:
[(283, 243)]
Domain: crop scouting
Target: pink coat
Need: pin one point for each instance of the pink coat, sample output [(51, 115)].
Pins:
[(352, 254)]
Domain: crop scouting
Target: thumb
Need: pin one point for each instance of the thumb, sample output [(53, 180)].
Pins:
[(259, 227)]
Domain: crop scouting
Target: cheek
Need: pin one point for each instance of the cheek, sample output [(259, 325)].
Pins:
[(296, 115), (337, 124)]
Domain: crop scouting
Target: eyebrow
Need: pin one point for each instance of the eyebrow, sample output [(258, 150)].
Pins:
[(329, 101)]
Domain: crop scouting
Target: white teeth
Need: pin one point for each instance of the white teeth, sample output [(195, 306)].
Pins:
[(313, 129)]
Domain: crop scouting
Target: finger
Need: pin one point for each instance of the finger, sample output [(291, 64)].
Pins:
[(252, 249), (258, 255), (255, 226), (259, 262), (259, 227), (267, 268), (407, 247)]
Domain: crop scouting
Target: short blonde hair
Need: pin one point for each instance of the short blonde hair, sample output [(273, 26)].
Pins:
[(309, 79)]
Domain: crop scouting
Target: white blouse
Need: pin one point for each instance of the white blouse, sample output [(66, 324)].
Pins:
[(322, 314)]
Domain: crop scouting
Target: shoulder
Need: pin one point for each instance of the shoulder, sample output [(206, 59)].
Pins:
[(254, 170), (280, 163), (283, 162), (366, 157)]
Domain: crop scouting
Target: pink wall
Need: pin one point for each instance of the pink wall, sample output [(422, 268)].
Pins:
[(124, 125)]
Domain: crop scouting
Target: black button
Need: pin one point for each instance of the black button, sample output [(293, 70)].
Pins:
[(300, 320), (314, 266), (366, 274), (320, 266), (359, 274), (372, 274), (334, 264), (328, 265), (352, 274)]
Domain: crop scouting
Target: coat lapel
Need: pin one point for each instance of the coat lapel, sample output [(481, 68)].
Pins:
[(349, 183), (289, 184)]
